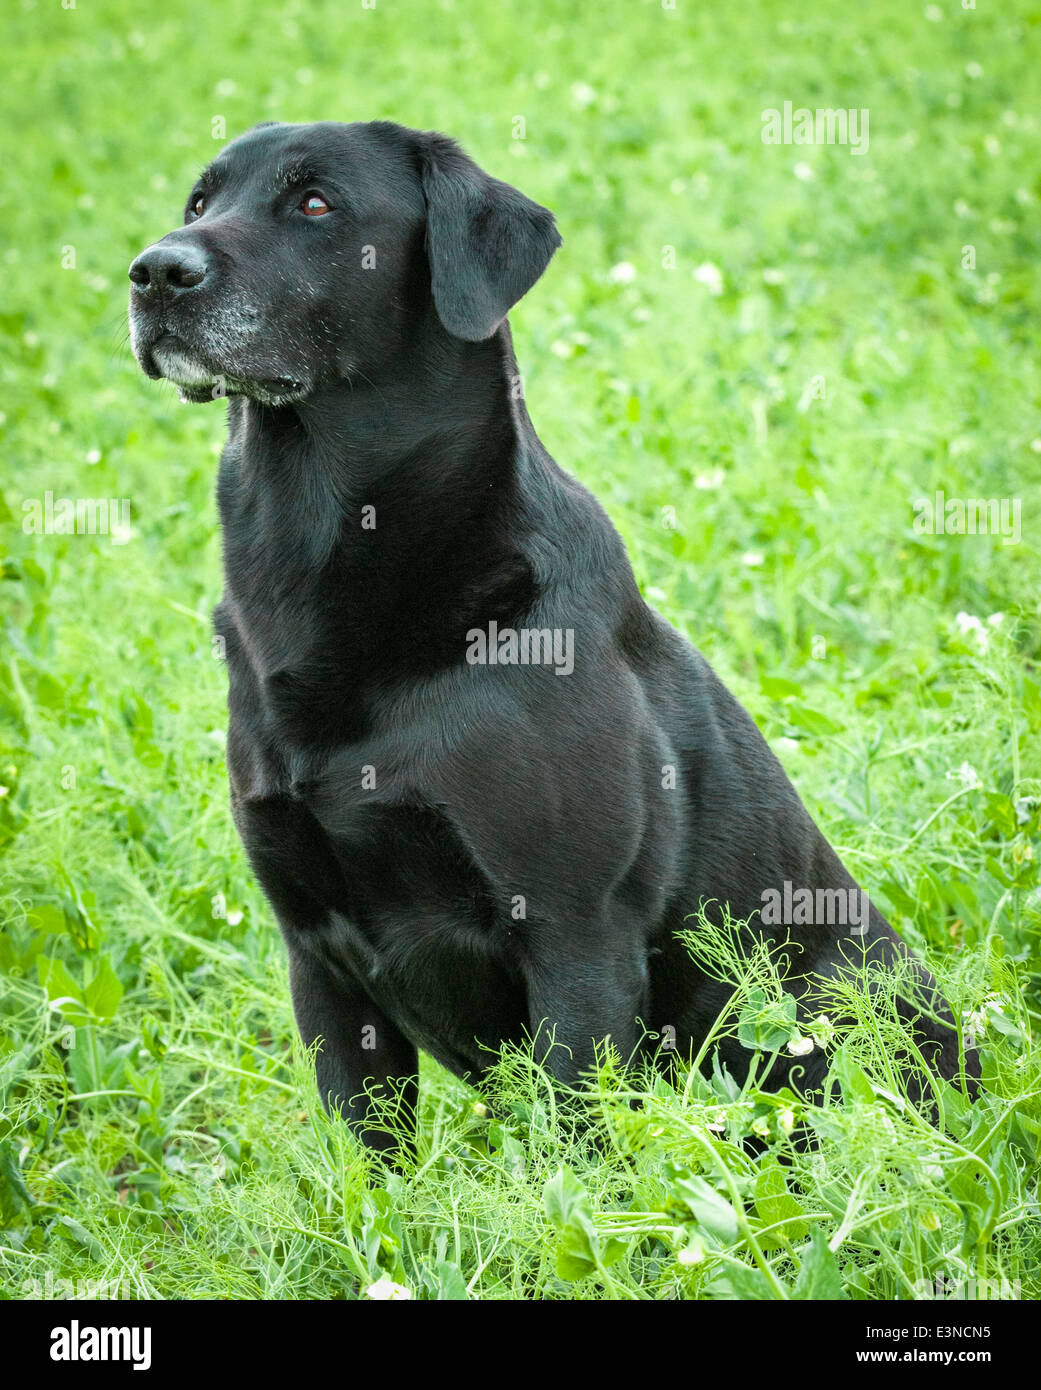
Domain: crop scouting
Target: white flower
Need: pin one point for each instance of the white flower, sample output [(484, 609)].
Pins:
[(799, 1047), (582, 94), (772, 276), (974, 1024), (708, 482), (693, 1254), (754, 559), (387, 1291), (822, 1030), (786, 1119), (966, 775), (804, 172), (968, 622), (710, 276), (624, 273)]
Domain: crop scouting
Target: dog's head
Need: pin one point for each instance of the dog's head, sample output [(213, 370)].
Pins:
[(310, 253)]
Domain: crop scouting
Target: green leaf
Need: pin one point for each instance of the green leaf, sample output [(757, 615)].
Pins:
[(97, 1002), (451, 1286), (1007, 1027), (576, 1251), (104, 992), (778, 688), (774, 1203), (766, 1024), (899, 897), (1031, 700), (79, 1235), (955, 1109), (996, 870), (972, 1197), (13, 1191), (852, 1078), (1002, 813), (612, 1251), (46, 918), (743, 1284), (812, 720), (60, 985), (819, 1273), (13, 1068), (567, 1206), (710, 1211), (563, 1197)]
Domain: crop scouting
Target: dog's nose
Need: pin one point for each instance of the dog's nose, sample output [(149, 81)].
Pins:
[(169, 267)]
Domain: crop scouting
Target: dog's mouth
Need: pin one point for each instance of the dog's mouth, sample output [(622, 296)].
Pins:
[(198, 379), (177, 362)]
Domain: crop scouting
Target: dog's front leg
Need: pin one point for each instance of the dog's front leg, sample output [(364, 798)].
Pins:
[(359, 1049), (585, 991)]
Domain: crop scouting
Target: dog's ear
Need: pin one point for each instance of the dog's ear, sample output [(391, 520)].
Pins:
[(486, 242)]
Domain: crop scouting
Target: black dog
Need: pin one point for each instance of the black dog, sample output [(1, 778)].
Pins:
[(481, 782)]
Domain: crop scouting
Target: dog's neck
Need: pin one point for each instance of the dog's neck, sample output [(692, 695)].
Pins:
[(443, 425), (370, 526), (442, 395)]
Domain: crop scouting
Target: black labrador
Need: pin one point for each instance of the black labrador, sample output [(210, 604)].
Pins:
[(482, 784)]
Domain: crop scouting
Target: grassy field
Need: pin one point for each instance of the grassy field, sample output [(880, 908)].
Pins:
[(759, 356)]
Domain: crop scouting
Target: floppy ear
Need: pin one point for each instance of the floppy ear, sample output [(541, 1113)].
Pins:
[(487, 243)]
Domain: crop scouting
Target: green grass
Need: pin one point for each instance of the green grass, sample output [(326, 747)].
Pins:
[(160, 1126)]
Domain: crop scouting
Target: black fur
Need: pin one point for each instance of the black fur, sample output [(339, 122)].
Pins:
[(397, 802)]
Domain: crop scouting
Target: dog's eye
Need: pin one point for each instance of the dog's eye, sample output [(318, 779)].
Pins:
[(314, 205), (198, 206)]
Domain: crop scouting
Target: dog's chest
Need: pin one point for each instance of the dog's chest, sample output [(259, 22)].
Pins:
[(386, 895), (362, 865), (348, 849)]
